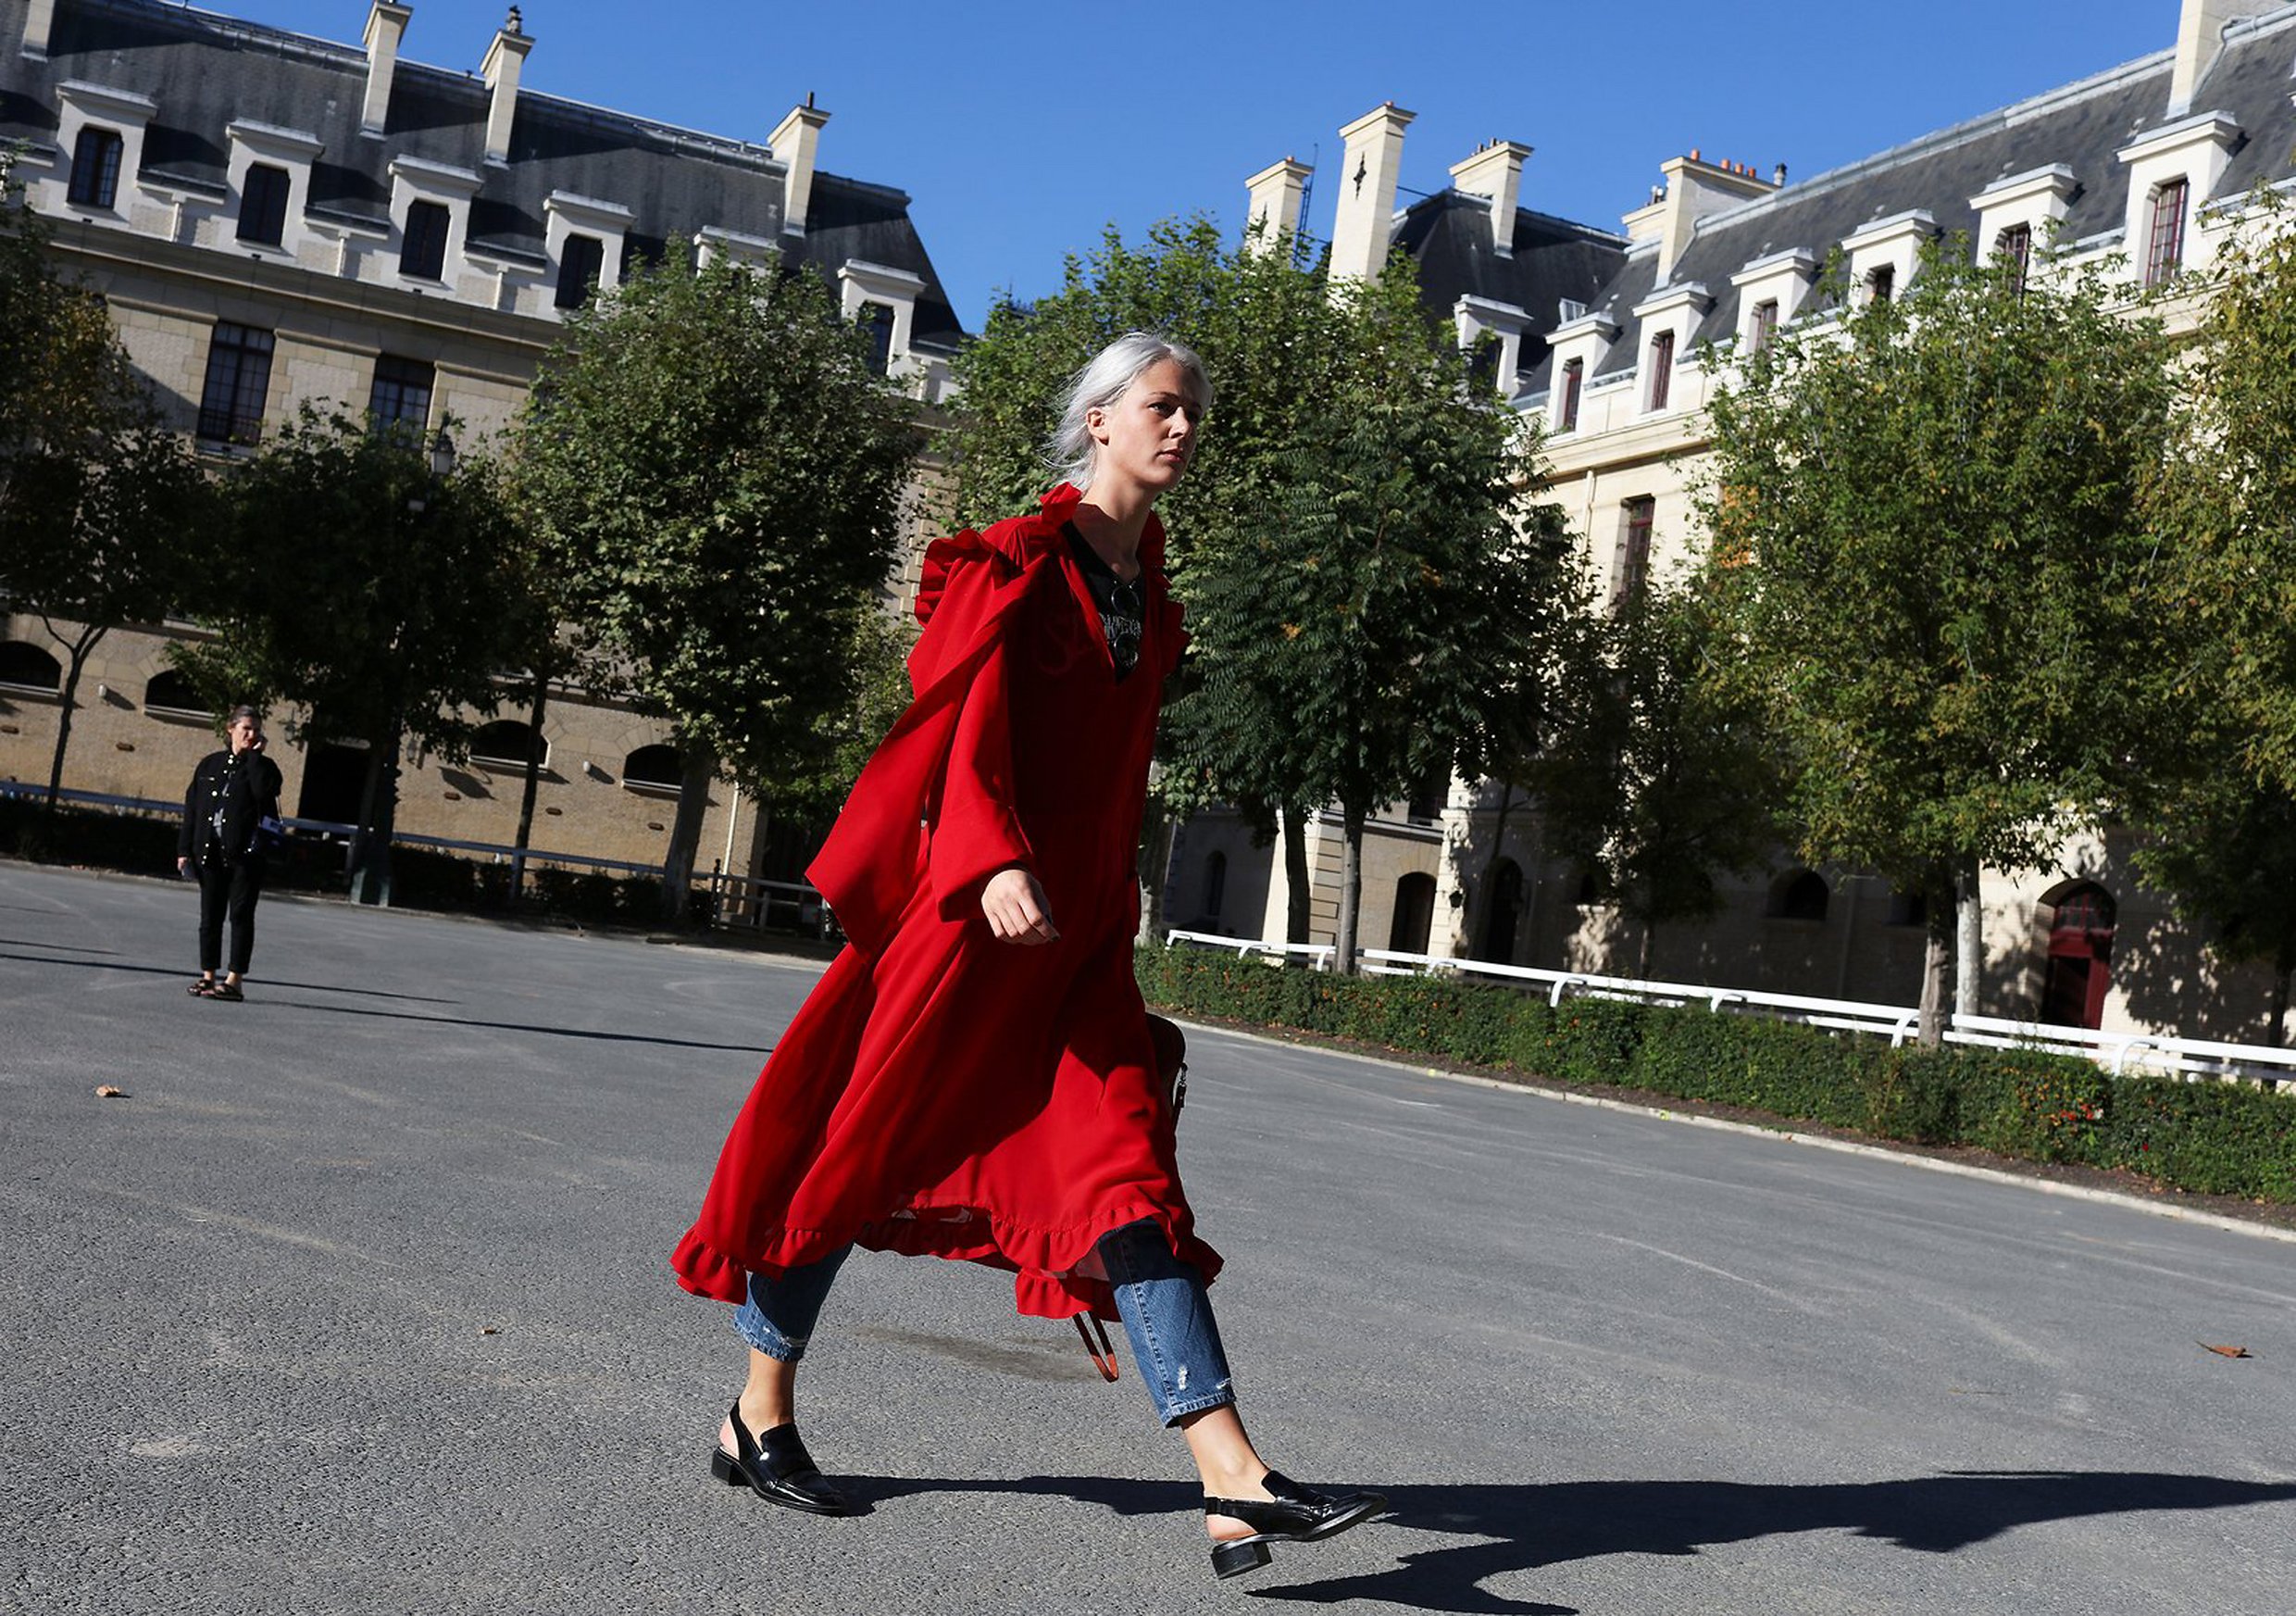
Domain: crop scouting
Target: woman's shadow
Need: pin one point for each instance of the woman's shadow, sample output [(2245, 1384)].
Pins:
[(1521, 1527)]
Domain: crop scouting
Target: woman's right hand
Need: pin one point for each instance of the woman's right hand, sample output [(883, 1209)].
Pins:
[(1015, 906)]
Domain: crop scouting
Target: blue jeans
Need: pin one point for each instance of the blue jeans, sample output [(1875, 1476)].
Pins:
[(1174, 1339)]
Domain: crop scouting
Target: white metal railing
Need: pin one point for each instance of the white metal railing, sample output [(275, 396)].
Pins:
[(2116, 1051)]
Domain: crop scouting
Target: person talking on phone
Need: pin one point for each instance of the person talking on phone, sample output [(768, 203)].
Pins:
[(228, 813)]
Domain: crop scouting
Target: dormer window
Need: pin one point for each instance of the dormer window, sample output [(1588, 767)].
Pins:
[(1574, 386), (1660, 369), (581, 260), (423, 255), (2013, 248), (876, 322), (95, 168), (1881, 283), (263, 204), (1761, 329), (2163, 254)]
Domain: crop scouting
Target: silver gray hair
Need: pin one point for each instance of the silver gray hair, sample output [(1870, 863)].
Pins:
[(1104, 379)]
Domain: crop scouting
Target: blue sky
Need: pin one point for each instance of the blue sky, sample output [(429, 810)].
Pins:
[(1020, 130)]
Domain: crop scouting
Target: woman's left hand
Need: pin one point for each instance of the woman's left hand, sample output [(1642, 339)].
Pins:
[(1015, 906)]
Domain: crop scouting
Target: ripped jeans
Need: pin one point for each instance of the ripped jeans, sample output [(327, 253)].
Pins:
[(1174, 1339)]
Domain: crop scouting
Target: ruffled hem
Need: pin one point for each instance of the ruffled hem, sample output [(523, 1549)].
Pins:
[(1044, 1262)]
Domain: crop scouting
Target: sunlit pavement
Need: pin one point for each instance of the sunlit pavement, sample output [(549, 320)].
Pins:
[(357, 1300)]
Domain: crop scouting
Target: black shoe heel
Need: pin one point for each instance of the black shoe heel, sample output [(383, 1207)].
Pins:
[(1296, 1514), (1233, 1560), (775, 1465)]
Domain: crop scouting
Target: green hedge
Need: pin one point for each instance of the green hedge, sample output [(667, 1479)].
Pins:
[(420, 877), (2214, 1138)]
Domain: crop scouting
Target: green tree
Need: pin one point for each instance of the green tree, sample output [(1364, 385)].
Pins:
[(1934, 500), (710, 456), (1351, 543), (376, 591), (99, 503), (2216, 809), (1660, 774)]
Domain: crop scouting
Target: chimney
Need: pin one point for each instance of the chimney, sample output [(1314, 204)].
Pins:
[(796, 140), (2200, 35), (386, 27), (1275, 193), (39, 24), (1694, 188), (504, 57), (1496, 171), (1368, 168)]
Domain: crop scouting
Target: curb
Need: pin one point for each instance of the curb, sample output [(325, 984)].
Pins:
[(1785, 1136)]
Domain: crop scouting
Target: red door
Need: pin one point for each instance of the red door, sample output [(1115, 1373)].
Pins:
[(2080, 952)]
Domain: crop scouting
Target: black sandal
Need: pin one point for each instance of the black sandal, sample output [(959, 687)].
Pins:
[(225, 990), (775, 1465), (1298, 1514), (203, 988)]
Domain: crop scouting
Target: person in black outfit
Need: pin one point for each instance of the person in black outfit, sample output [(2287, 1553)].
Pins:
[(222, 843)]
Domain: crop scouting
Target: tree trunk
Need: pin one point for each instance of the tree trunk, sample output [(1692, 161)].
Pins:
[(1969, 940), (371, 844), (533, 781), (1936, 960), (1479, 900), (78, 651), (1351, 887), (1648, 947), (2276, 1032), (685, 836), (1298, 899), (1155, 869)]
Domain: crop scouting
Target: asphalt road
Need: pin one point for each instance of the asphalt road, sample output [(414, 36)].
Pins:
[(358, 1302)]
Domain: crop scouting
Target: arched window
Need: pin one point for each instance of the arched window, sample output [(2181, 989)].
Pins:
[(1415, 914), (656, 768), (509, 742), (24, 666), (1215, 885), (1798, 894), (169, 691)]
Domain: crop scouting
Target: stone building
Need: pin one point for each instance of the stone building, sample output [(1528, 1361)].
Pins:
[(2147, 163), (275, 219)]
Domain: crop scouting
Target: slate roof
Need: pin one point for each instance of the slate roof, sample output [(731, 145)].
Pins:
[(2081, 126), (1448, 235), (207, 71)]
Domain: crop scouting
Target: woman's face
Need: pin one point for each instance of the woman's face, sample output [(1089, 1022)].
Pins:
[(245, 733), (1148, 436)]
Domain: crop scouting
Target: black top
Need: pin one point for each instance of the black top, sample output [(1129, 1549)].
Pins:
[(230, 792), (1121, 613)]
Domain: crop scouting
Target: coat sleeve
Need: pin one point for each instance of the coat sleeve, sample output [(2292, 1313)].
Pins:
[(976, 831), (191, 801)]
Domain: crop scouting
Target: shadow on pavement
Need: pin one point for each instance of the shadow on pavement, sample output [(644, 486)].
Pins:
[(187, 972), (1530, 1526)]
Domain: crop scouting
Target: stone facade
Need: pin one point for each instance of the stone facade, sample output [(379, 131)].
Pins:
[(424, 220), (2161, 149)]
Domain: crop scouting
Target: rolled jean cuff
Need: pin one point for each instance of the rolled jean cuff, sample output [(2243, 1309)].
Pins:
[(758, 1331), (1172, 1413)]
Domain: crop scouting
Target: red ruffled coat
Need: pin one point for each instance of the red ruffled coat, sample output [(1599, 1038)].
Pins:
[(941, 1092)]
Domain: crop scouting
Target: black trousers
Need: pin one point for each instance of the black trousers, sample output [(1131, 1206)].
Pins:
[(231, 888)]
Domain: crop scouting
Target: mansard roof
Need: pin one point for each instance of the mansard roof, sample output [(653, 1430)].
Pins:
[(208, 72), (1554, 261), (2081, 126)]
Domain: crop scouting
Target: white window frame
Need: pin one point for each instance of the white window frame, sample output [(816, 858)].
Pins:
[(416, 179)]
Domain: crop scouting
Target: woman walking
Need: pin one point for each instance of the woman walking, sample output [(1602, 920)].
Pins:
[(975, 1077)]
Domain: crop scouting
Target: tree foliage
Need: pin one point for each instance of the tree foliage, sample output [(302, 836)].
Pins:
[(1924, 511), (711, 460), (1351, 543), (1659, 771), (2216, 809), (100, 504)]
